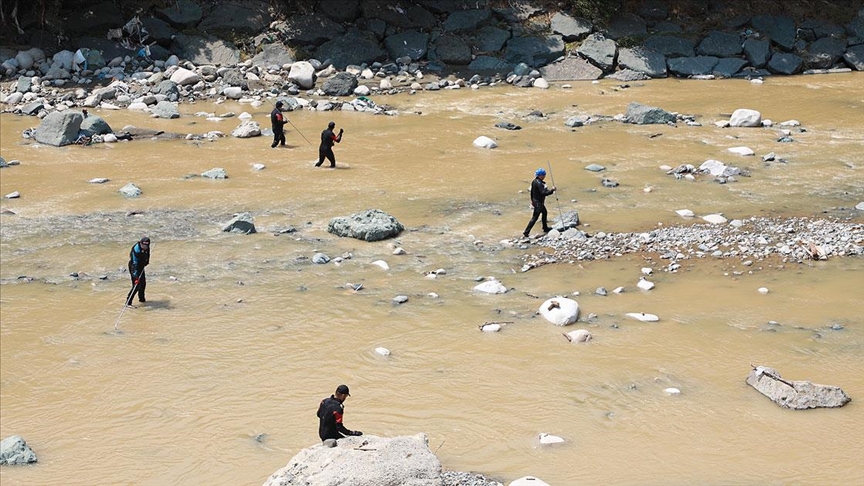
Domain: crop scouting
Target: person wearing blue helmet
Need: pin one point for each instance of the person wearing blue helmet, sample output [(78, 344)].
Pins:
[(539, 191)]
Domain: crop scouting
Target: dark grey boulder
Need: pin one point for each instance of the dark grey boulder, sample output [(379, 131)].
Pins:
[(653, 10), (168, 88), (340, 10), (59, 128), (671, 46), (570, 219), (490, 39), (411, 43), (666, 27), (33, 108), (466, 20), (785, 63), (757, 52), (312, 29), (452, 50), (15, 451), (728, 67), (626, 25), (536, 51), (817, 29), (97, 17), (181, 14), (795, 395), (854, 57), (643, 60), (692, 66), (159, 30), (855, 28), (166, 109), (242, 223), (720, 44), (570, 28), (94, 125), (408, 16), (571, 69), (779, 29), (824, 53), (234, 77), (341, 84), (368, 225), (249, 17), (488, 63), (628, 76), (601, 51), (272, 55), (647, 115), (352, 47), (205, 50)]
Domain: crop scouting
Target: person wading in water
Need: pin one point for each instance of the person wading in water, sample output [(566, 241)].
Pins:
[(538, 201), (325, 150), (139, 258), (278, 121)]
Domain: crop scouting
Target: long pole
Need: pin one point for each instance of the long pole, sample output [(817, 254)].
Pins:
[(125, 305), (298, 130), (560, 214)]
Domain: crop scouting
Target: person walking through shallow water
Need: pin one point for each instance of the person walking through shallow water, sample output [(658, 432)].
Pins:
[(278, 121), (139, 258), (325, 150), (539, 191)]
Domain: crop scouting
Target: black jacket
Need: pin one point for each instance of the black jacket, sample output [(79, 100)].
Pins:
[(277, 120), (539, 192), (328, 138), (138, 259), (330, 419)]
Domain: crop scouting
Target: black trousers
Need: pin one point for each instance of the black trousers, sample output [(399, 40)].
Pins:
[(142, 284), (278, 137), (539, 210), (326, 153)]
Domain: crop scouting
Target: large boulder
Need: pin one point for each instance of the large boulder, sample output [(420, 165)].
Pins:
[(247, 129), (671, 46), (570, 28), (490, 39), (797, 395), (571, 69), (534, 51), (781, 30), (692, 66), (341, 84), (205, 50), (451, 49), (647, 115), (824, 53), (626, 25), (720, 44), (183, 77), (14, 450), (166, 109), (560, 311), (94, 125), (410, 43), (854, 57), (59, 128), (408, 16), (757, 52), (352, 47), (313, 29), (728, 67), (181, 13), (743, 117), (249, 17), (785, 63), (273, 55), (368, 225), (363, 461), (340, 10), (466, 20), (643, 60), (601, 51), (302, 73)]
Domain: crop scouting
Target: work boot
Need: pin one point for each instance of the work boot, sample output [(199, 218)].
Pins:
[(546, 230), (525, 234)]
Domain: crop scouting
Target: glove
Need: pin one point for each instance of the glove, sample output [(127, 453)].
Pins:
[(137, 280), (356, 432), (340, 131)]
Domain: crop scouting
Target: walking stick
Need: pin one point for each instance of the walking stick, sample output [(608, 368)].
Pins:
[(560, 214), (295, 128), (125, 305)]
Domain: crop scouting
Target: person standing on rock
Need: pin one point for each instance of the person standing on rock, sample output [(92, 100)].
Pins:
[(325, 150), (278, 121), (139, 258), (330, 413), (539, 191)]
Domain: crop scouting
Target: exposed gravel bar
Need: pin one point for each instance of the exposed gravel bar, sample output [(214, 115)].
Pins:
[(455, 478)]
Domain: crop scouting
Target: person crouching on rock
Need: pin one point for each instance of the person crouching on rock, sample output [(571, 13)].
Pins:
[(330, 413)]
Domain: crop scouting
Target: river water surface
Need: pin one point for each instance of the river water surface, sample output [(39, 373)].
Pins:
[(242, 336)]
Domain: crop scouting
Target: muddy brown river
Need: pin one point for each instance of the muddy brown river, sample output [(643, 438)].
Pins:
[(216, 379)]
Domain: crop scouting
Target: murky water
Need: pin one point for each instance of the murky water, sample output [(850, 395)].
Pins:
[(243, 335)]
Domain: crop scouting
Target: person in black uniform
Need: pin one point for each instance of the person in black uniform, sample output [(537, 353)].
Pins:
[(139, 258), (278, 121), (325, 150), (330, 413), (538, 201)]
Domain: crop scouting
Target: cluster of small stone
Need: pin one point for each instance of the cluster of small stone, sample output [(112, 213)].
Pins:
[(455, 478), (789, 239)]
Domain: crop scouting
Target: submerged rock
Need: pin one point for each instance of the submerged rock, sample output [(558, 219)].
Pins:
[(242, 223), (14, 450), (797, 395), (369, 225)]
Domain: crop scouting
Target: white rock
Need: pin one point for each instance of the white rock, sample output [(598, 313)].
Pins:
[(385, 84), (108, 106), (99, 180), (714, 167), (530, 480), (743, 117), (185, 77), (109, 138), (432, 295), (745, 151), (13, 195), (490, 287), (258, 166), (247, 129), (685, 213), (767, 123), (485, 142), (13, 98), (618, 290), (490, 327), (763, 290), (721, 124), (244, 116), (560, 311), (382, 351), (399, 251), (233, 92), (361, 90), (790, 123), (303, 74), (860, 206), (579, 336), (641, 316), (644, 284), (647, 271), (431, 276), (382, 264), (756, 81), (547, 439), (541, 83), (672, 391), (714, 218)]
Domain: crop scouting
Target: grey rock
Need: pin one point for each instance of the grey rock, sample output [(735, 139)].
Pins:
[(671, 46), (130, 190), (206, 50), (692, 66), (24, 84), (796, 395), (168, 88), (720, 44), (234, 78), (33, 108), (239, 18), (59, 128), (824, 53), (352, 47), (728, 67), (855, 28), (407, 16), (575, 121), (536, 51), (15, 451), (369, 225), (785, 63), (595, 168), (626, 25), (854, 57), (570, 28), (666, 27), (601, 51), (311, 29), (488, 63), (490, 39), (400, 299), (242, 223), (215, 173), (94, 125), (628, 75), (320, 259), (247, 129), (757, 52), (181, 13), (410, 43), (340, 10), (272, 55), (341, 84), (569, 219), (643, 60), (160, 31), (166, 109), (452, 50), (814, 29), (507, 126), (779, 29), (647, 115), (466, 20)]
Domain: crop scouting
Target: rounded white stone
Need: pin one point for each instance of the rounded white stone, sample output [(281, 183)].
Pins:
[(579, 336), (641, 316), (485, 142), (490, 287), (763, 290), (714, 218), (530, 480), (560, 311), (490, 327), (672, 391), (382, 264), (547, 439), (382, 351)]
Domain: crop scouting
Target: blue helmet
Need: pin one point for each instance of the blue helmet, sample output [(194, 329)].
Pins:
[(539, 172)]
